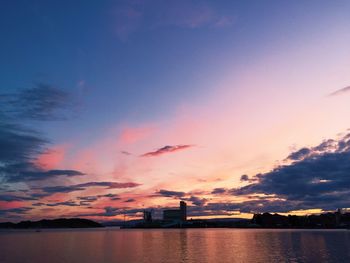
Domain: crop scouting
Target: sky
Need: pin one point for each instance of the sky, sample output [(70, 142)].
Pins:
[(112, 107)]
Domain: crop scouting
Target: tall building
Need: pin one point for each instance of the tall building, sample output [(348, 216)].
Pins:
[(147, 216), (183, 210), (176, 214)]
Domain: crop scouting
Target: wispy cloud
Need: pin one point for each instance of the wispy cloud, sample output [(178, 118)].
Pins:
[(10, 198), (81, 187), (340, 91), (168, 193), (134, 16), (18, 210), (20, 145), (41, 175), (218, 191), (197, 201), (41, 102), (110, 185), (167, 149), (65, 203)]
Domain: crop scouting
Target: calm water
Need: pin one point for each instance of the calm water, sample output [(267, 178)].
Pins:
[(175, 245)]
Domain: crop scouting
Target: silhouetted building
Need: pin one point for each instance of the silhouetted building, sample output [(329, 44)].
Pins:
[(338, 216), (176, 214), (147, 216)]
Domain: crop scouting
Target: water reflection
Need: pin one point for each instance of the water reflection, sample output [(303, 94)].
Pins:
[(175, 245)]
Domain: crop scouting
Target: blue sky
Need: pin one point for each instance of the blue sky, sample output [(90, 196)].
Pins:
[(151, 65), (219, 80)]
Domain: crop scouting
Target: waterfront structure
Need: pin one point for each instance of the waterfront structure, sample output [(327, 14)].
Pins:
[(147, 216), (176, 214)]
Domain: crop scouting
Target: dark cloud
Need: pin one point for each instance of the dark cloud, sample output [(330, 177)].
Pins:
[(41, 175), (340, 91), (217, 191), (41, 102), (61, 189), (318, 178), (38, 204), (244, 178), (80, 200), (110, 211), (167, 149), (168, 193), (125, 153), (39, 195), (10, 198), (130, 200), (196, 200), (183, 196), (110, 185), (327, 145), (300, 154), (66, 203), (92, 198), (19, 144), (81, 187), (252, 206), (19, 210), (109, 195)]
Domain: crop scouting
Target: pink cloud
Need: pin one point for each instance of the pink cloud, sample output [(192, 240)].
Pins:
[(12, 204), (131, 135), (52, 158), (166, 149)]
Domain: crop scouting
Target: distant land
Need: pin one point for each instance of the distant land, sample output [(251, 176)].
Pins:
[(325, 220), (52, 223), (263, 220)]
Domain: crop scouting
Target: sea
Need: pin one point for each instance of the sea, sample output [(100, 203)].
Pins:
[(108, 245)]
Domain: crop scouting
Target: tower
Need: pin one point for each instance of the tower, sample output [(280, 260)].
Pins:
[(183, 211), (147, 216)]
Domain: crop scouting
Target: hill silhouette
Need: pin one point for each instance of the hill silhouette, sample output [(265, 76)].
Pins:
[(52, 223)]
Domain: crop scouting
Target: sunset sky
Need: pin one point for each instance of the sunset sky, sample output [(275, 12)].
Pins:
[(112, 107)]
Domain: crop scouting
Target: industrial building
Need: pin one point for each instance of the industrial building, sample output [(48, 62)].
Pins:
[(147, 216), (176, 214)]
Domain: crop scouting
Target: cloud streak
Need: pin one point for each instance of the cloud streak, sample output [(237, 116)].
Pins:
[(41, 102), (10, 198), (18, 210), (340, 92), (167, 149), (168, 193), (41, 175), (84, 186)]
